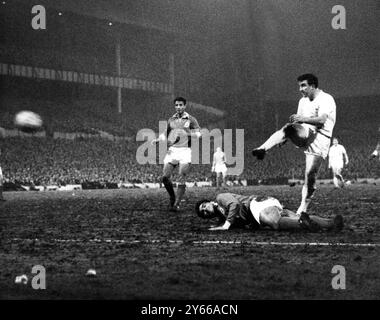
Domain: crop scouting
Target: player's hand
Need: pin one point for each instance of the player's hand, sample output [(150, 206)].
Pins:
[(296, 118), (220, 228)]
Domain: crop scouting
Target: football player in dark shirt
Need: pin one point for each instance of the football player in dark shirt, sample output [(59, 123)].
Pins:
[(181, 127), (257, 212)]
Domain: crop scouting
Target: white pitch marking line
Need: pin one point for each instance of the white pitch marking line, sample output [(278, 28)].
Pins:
[(206, 242)]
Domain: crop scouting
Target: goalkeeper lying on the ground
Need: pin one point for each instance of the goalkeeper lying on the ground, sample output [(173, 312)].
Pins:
[(254, 212)]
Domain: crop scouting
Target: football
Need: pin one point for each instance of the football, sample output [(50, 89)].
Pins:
[(28, 121)]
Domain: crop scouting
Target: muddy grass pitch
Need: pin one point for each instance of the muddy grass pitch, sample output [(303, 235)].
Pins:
[(141, 251)]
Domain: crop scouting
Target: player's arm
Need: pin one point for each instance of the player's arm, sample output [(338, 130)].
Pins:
[(195, 130), (318, 121), (327, 106), (213, 164), (163, 136), (233, 209), (299, 113), (195, 133), (345, 155), (225, 226)]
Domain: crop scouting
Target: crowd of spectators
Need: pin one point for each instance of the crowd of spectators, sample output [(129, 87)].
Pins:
[(48, 161)]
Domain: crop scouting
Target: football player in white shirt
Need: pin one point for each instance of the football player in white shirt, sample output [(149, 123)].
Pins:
[(311, 129), (219, 166), (337, 160)]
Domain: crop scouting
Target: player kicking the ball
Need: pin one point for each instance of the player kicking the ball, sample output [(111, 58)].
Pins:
[(255, 212), (311, 129), (181, 127)]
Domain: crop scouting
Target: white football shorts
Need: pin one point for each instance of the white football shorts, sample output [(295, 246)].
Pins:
[(319, 146), (307, 137), (257, 207), (221, 168), (336, 164), (178, 155)]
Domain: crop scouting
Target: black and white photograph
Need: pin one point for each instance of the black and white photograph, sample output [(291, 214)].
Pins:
[(189, 155)]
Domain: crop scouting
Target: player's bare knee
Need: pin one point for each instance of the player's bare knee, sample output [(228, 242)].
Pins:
[(274, 225), (271, 217)]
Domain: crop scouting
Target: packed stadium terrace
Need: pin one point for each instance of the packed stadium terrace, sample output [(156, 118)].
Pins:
[(48, 161)]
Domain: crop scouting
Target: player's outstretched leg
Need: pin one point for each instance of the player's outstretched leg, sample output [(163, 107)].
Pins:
[(298, 134), (335, 224), (275, 139), (315, 223), (291, 221), (285, 219), (166, 180)]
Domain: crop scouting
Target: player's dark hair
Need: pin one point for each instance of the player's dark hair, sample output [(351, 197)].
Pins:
[(198, 211), (311, 79), (180, 99)]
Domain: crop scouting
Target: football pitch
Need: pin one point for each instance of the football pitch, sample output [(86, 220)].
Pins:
[(141, 251)]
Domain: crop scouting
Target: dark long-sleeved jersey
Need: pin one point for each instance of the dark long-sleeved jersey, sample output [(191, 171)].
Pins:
[(237, 209)]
